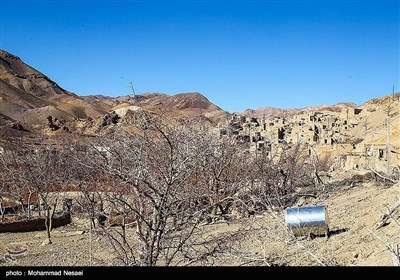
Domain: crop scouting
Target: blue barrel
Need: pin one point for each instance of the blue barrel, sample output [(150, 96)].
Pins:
[(307, 220)]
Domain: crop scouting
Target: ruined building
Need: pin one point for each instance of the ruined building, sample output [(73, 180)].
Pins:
[(336, 133)]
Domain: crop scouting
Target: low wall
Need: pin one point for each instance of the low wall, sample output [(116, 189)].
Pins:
[(36, 223)]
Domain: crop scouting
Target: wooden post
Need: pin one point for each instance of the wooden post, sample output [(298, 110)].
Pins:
[(388, 156)]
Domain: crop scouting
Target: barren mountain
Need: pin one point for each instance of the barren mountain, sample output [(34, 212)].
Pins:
[(28, 96), (192, 104), (271, 112), (28, 79), (252, 228)]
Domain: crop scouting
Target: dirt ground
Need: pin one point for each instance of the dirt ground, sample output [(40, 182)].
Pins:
[(353, 213)]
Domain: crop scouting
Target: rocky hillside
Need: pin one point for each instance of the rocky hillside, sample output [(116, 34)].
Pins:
[(29, 97), (372, 125), (192, 104)]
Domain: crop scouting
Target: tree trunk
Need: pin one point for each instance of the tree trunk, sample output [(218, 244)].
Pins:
[(383, 177), (49, 220), (29, 205), (2, 209)]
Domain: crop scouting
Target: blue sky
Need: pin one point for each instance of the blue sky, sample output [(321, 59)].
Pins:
[(239, 54)]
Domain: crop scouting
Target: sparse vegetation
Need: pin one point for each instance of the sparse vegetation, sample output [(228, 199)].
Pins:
[(154, 180)]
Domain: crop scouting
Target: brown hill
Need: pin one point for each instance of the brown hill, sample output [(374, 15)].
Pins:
[(156, 101), (345, 105), (190, 104), (26, 78), (29, 96), (182, 105), (372, 125), (271, 112)]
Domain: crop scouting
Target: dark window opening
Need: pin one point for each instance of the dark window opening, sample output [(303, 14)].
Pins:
[(380, 153)]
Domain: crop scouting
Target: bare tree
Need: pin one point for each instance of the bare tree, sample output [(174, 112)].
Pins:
[(320, 164), (14, 185), (42, 171), (156, 172), (274, 180), (222, 168)]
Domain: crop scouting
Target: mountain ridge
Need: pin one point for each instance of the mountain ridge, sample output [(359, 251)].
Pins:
[(29, 96), (268, 111)]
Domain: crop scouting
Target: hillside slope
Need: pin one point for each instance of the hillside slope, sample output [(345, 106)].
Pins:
[(271, 112), (29, 96)]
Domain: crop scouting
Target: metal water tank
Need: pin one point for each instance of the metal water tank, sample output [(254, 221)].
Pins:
[(307, 220)]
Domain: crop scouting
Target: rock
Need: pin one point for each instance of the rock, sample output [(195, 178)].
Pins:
[(18, 127), (44, 234), (51, 124), (111, 118), (73, 233), (46, 242), (302, 201)]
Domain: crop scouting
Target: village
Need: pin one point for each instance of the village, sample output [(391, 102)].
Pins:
[(325, 133), (73, 185), (198, 134)]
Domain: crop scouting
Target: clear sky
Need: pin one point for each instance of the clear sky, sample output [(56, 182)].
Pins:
[(239, 54)]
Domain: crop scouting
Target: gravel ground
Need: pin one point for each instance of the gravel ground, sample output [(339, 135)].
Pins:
[(353, 213), (70, 247)]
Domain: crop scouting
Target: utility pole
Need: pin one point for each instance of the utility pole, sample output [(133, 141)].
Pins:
[(393, 93), (373, 150), (388, 152), (388, 143)]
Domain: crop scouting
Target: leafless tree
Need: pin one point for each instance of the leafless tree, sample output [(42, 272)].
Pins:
[(85, 179), (42, 171), (223, 171), (14, 185), (274, 180), (157, 174), (321, 164)]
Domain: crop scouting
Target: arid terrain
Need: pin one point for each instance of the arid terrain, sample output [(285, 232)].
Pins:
[(175, 180), (353, 213), (29, 97)]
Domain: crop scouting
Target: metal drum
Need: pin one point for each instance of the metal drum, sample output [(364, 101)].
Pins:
[(307, 220)]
